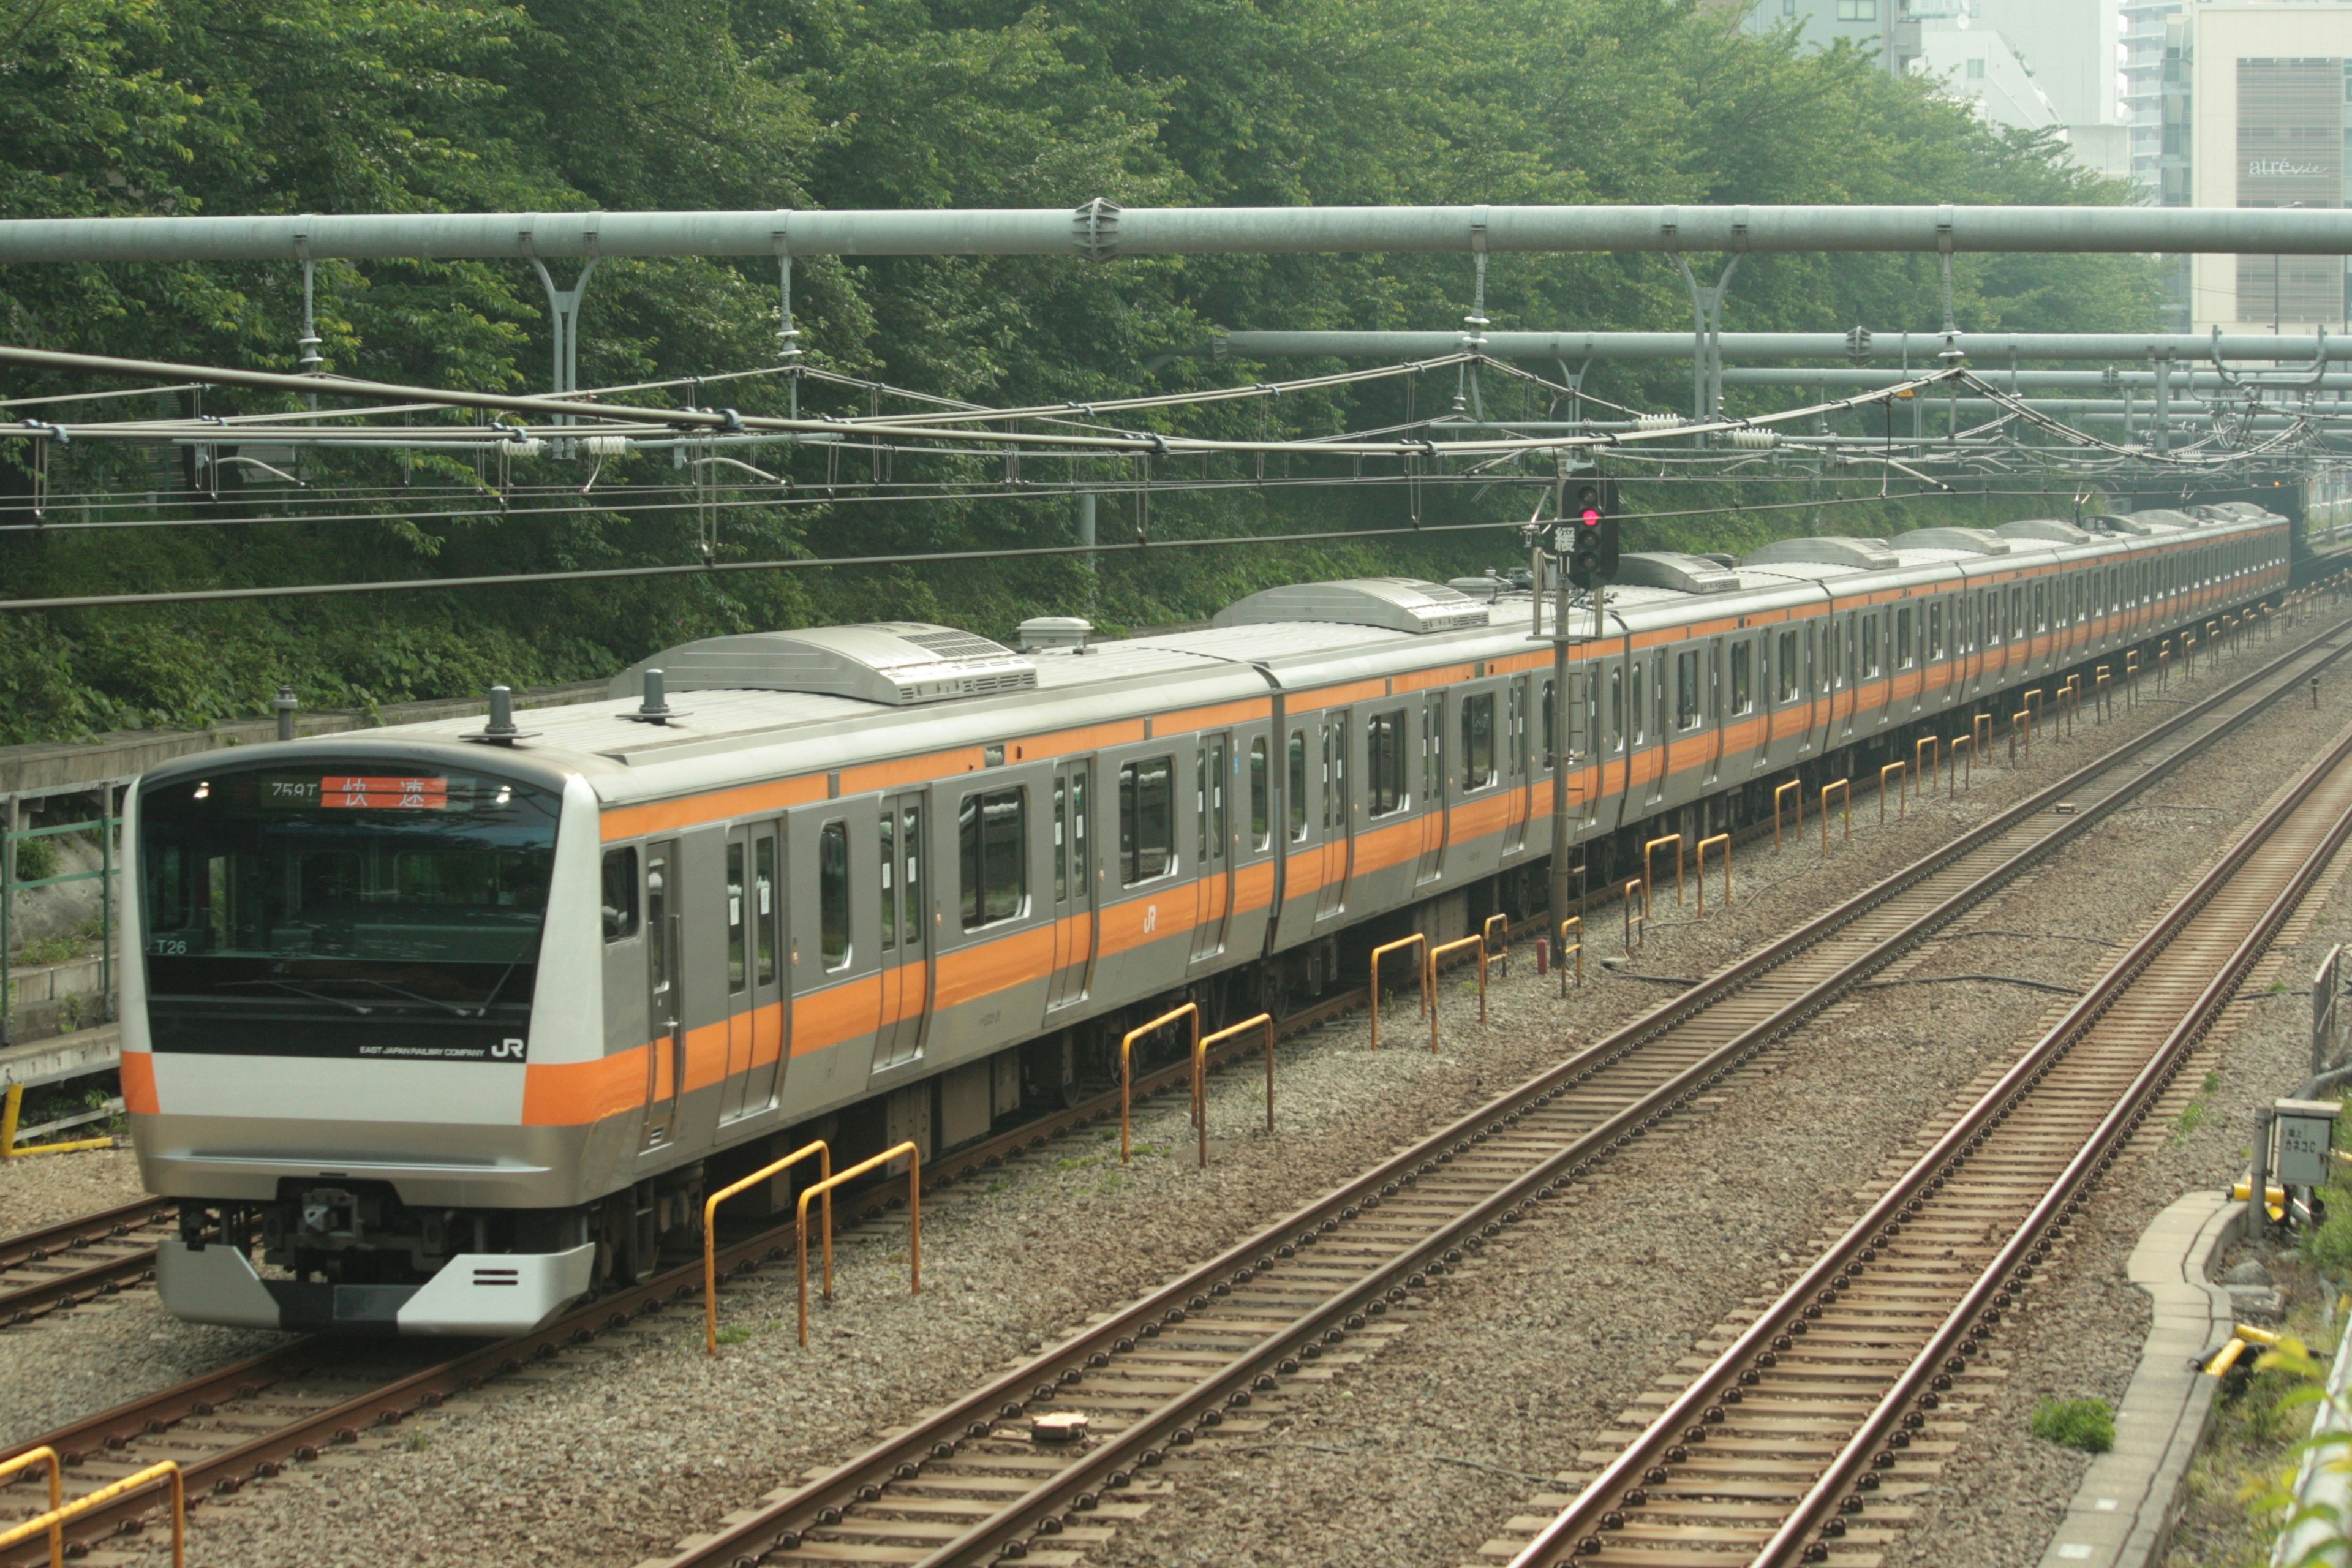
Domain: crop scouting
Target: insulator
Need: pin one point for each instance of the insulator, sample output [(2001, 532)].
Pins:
[(525, 447), (606, 445), (1753, 440), (1658, 421)]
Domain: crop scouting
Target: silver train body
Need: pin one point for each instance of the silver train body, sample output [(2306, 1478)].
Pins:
[(444, 1031)]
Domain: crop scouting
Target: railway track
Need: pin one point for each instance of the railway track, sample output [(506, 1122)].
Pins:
[(59, 1267), (1194, 1354), (979, 1481), (1811, 1428)]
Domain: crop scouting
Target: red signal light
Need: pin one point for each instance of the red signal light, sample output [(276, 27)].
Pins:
[(1591, 517)]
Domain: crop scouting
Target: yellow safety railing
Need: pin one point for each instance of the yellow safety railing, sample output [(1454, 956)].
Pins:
[(2033, 700), (710, 1230), (1981, 732), (1200, 1074), (1901, 792), (1436, 954), (1388, 947), (1126, 1058), (1724, 840), (1952, 766), (2242, 1340), (1633, 886), (2102, 693), (1559, 959), (1502, 954), (10, 1105), (1927, 756), (823, 1189), (52, 1523), (1649, 849), (25, 1462), (2018, 722), (1799, 787), (1845, 802)]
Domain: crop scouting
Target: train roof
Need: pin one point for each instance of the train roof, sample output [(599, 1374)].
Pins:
[(791, 703)]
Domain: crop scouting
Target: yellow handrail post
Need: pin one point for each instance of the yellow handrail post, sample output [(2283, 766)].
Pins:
[(2016, 728), (1201, 1072), (914, 1157), (1724, 840), (1923, 773), (711, 1231), (1377, 952), (1486, 933), (2033, 700), (1633, 886), (1952, 769), (1902, 795), (1845, 805), (1127, 1059), (1559, 959), (10, 1104), (1437, 953), (1981, 732), (1799, 785), (52, 1523), (2103, 691), (1647, 849), (45, 1456)]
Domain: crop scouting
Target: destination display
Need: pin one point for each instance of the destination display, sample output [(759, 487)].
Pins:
[(362, 792)]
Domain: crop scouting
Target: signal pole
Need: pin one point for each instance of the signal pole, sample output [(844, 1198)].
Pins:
[(1581, 544)]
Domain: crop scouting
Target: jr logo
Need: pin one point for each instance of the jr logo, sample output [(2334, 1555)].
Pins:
[(1150, 919), (507, 1051)]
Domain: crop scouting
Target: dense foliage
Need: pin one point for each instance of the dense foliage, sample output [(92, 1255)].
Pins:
[(120, 107)]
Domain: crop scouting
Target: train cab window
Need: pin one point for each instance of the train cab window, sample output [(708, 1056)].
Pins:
[(1743, 677), (833, 895), (1869, 666), (1479, 741), (1788, 690), (1384, 765), (739, 948), (620, 894), (1261, 829), (1687, 691), (1146, 819), (1902, 637), (991, 842), (1298, 781)]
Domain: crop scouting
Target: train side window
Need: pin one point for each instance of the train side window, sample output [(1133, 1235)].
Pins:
[(1616, 708), (1061, 840), (1219, 839), (1743, 677), (833, 895), (1550, 734), (1261, 829), (657, 957), (1902, 637), (1634, 684), (1297, 809), (2041, 607), (1935, 630), (620, 894), (1384, 781), (888, 840), (763, 906), (1869, 646), (2017, 612), (991, 834), (1788, 690), (1686, 694), (1147, 809), (1479, 741), (739, 964)]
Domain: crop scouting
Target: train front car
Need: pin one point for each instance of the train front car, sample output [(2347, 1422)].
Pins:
[(340, 959)]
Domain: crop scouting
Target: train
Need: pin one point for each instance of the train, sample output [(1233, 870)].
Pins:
[(440, 1027)]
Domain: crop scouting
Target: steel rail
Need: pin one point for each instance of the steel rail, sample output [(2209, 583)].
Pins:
[(42, 1270), (1084, 1484), (1619, 1491)]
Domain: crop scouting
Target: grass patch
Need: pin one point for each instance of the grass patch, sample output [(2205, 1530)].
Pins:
[(2085, 1424), (734, 1334)]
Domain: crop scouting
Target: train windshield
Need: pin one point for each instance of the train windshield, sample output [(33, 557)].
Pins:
[(325, 896)]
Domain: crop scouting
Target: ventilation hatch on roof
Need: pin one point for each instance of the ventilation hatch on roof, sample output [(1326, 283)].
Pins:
[(1394, 604), (1970, 540), (1671, 569), (1826, 549), (895, 663)]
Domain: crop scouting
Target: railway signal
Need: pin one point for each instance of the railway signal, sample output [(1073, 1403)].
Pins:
[(1591, 526)]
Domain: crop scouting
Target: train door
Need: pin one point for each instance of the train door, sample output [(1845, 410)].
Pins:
[(1433, 820), (1212, 876), (1339, 835), (905, 924), (665, 998), (1515, 765), (1713, 713), (1074, 880), (1660, 738), (755, 1010)]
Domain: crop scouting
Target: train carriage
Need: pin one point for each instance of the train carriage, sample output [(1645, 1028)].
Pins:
[(449, 1024)]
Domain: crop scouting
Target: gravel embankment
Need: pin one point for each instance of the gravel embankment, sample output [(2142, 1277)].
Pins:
[(614, 1451), (49, 1188)]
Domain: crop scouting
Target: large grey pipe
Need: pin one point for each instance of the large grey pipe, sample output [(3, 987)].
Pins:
[(1988, 350), (1100, 230)]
